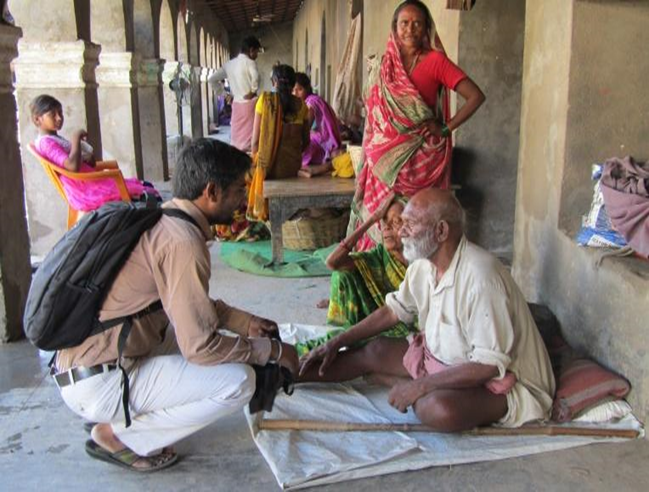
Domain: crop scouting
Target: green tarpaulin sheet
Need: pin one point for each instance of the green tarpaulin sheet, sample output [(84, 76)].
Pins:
[(255, 258)]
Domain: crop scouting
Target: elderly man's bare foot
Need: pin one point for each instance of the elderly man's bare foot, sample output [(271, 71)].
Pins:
[(103, 436), (322, 304)]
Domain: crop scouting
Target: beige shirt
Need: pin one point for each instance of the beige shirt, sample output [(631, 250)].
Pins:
[(477, 313), (171, 263)]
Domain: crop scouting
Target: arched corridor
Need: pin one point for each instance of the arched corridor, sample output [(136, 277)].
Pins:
[(134, 73)]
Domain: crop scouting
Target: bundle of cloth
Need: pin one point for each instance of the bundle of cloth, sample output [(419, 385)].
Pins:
[(625, 187)]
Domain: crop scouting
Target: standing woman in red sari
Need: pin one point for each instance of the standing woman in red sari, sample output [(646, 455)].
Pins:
[(407, 143)]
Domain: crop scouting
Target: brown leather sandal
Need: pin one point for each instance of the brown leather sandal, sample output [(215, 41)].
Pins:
[(127, 458)]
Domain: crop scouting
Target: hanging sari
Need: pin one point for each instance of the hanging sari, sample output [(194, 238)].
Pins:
[(357, 293), (398, 158)]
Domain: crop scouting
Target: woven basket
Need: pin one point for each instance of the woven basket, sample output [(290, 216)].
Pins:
[(313, 233)]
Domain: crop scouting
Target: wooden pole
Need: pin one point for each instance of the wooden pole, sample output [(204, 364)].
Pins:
[(528, 430)]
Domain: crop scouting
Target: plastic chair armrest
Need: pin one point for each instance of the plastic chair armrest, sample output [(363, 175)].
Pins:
[(114, 174), (100, 165)]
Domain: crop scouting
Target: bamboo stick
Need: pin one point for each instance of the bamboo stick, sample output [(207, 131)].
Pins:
[(529, 430)]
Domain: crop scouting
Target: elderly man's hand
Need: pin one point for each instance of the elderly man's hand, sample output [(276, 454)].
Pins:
[(404, 395), (326, 353), (262, 327)]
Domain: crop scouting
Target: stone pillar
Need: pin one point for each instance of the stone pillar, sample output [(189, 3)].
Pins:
[(117, 77), (65, 70), (196, 106), (173, 114), (152, 120), (170, 103), (187, 121), (15, 270), (205, 73)]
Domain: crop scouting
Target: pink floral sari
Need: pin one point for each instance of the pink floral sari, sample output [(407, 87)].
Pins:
[(398, 158)]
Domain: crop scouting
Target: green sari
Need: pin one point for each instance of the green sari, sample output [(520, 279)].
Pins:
[(355, 294)]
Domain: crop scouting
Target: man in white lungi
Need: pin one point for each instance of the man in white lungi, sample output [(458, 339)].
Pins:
[(243, 77)]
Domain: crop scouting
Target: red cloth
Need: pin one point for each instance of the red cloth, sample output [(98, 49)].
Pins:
[(241, 124), (433, 70), (419, 362)]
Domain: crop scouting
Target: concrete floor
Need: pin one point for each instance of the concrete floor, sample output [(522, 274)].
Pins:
[(41, 441)]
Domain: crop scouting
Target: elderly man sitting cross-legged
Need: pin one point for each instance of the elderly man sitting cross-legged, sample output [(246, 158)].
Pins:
[(479, 358)]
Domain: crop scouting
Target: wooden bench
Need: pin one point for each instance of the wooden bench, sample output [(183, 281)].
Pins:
[(287, 196)]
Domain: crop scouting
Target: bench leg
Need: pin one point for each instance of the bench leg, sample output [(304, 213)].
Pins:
[(276, 221)]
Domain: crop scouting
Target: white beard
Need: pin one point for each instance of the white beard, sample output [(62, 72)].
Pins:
[(419, 248)]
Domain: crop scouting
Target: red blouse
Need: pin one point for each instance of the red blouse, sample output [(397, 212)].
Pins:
[(434, 69)]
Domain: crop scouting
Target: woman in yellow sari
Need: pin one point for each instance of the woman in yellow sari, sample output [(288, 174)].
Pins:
[(280, 135)]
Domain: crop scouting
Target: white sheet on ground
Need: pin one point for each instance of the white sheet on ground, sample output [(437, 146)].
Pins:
[(307, 458)]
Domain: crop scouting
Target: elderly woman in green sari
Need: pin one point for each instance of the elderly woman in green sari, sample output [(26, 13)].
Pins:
[(361, 280)]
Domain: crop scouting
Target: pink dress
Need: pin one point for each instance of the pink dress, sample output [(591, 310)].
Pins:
[(325, 136), (86, 195)]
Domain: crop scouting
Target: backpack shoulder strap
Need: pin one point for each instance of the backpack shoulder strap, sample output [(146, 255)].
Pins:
[(121, 344), (179, 214)]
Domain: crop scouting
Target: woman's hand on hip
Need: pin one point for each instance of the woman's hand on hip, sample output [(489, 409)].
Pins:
[(431, 128)]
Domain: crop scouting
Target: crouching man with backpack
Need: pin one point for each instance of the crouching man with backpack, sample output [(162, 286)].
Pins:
[(183, 373)]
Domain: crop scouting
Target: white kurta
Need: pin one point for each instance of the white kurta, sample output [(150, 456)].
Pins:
[(242, 74), (477, 313)]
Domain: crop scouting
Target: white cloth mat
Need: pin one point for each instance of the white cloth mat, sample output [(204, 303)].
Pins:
[(307, 458)]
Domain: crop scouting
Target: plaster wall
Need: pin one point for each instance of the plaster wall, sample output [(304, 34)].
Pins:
[(112, 26), (603, 311), (337, 15), (609, 108), (145, 41), (59, 24), (485, 160)]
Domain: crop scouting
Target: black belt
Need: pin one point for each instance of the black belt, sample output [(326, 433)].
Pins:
[(76, 374)]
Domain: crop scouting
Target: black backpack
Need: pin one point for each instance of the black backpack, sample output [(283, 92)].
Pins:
[(71, 284)]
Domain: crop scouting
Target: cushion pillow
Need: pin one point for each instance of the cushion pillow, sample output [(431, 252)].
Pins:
[(583, 383), (607, 411)]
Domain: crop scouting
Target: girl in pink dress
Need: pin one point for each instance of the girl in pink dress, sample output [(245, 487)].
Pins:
[(325, 135), (76, 155)]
